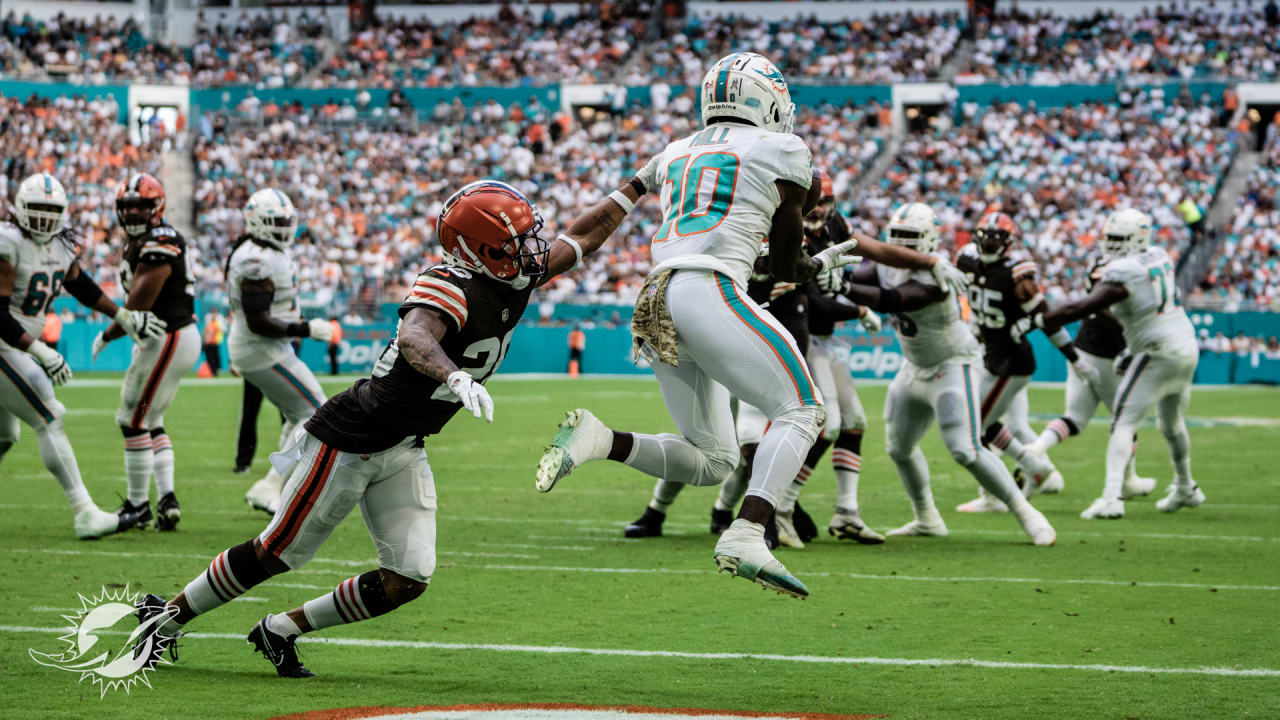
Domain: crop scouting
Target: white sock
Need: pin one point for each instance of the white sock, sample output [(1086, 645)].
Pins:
[(138, 466), (848, 467), (914, 473), (664, 493), (732, 490), (162, 463), (284, 625), (58, 457)]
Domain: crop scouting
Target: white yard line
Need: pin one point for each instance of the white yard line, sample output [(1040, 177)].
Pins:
[(534, 546), (693, 571), (680, 654)]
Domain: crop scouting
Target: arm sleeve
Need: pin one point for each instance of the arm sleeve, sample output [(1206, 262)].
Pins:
[(10, 329), (83, 288), (438, 288)]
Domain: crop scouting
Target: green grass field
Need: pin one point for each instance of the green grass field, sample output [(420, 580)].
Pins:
[(1174, 602)]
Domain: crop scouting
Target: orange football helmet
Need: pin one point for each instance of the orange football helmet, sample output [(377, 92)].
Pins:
[(817, 217), (140, 203), (995, 233), (491, 228)]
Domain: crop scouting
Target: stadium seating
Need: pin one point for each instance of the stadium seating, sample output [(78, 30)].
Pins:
[(1247, 267)]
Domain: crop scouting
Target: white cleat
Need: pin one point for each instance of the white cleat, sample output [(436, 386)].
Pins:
[(580, 439), (787, 535), (741, 552), (1135, 486), (849, 526), (1038, 469), (1179, 498), (930, 525), (985, 502), (93, 523), (264, 495), (1037, 526), (1104, 507), (1053, 484)]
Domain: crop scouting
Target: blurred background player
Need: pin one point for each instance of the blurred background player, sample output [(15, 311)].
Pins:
[(38, 259), (1004, 300), (939, 378), (1139, 287), (262, 286), (155, 275), (365, 445)]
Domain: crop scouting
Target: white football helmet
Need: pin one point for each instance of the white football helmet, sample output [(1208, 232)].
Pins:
[(1126, 232), (269, 216), (41, 207), (914, 225), (748, 86)]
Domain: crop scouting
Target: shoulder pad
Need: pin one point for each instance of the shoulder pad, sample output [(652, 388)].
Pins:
[(443, 288), (791, 158), (162, 242), (1121, 270), (250, 266), (1021, 265)]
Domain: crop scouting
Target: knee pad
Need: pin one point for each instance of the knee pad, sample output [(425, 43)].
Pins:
[(718, 464), (384, 590), (956, 423), (809, 419)]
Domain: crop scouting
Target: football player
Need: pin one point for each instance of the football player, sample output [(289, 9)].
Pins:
[(38, 260), (827, 356), (156, 275), (262, 284), (724, 188), (1099, 341), (1004, 300), (1139, 287), (365, 445), (939, 378)]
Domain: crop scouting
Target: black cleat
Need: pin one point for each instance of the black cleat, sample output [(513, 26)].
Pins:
[(134, 516), (806, 530), (771, 533), (720, 520), (279, 650), (151, 613), (168, 512), (240, 469), (649, 525)]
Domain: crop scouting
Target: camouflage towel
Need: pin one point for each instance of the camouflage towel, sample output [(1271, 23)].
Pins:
[(652, 322)]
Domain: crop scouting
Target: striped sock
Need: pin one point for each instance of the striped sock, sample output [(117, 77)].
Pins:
[(355, 599), (789, 496), (848, 467), (139, 463), (231, 574), (162, 461)]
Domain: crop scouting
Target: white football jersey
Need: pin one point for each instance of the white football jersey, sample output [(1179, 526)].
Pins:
[(1152, 315), (935, 333), (39, 272), (254, 261), (718, 196)]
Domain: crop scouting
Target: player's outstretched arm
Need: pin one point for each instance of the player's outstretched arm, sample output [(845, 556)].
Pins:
[(147, 284), (419, 338), (788, 261), (1104, 295), (589, 230), (892, 255), (1028, 295), (907, 297)]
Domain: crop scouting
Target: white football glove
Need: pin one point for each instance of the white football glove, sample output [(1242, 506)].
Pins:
[(870, 321), (472, 394), (55, 366), (837, 256), (99, 344), (649, 174), (949, 278), (831, 281), (320, 329), (1088, 373), (140, 324)]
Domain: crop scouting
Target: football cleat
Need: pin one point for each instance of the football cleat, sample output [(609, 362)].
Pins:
[(1104, 507), (580, 439), (720, 520), (1036, 525), (1052, 484), (152, 613), (264, 494), (930, 525), (1135, 486), (741, 552), (1179, 498), (279, 649), (134, 516), (806, 528), (787, 535), (1037, 468), (649, 525), (93, 523), (240, 469), (168, 512), (985, 502), (847, 525)]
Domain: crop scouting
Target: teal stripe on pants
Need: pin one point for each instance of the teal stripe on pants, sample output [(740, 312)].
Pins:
[(26, 390), (298, 385), (780, 346)]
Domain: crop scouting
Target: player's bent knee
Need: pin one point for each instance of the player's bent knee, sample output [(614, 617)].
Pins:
[(401, 590), (965, 454), (716, 467), (271, 564)]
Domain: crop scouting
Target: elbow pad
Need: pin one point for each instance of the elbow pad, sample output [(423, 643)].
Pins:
[(890, 301), (10, 330), (83, 289)]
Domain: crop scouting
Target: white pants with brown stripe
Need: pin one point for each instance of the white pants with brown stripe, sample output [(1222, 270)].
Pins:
[(291, 387), (1162, 382), (394, 489), (151, 382), (26, 395), (997, 394)]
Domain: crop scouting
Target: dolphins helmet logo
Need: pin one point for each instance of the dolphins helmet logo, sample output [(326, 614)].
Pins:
[(118, 666)]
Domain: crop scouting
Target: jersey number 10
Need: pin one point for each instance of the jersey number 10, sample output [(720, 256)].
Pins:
[(690, 211)]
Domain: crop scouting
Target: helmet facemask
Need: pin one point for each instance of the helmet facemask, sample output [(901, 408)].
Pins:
[(818, 216), (135, 214), (41, 220), (992, 243)]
